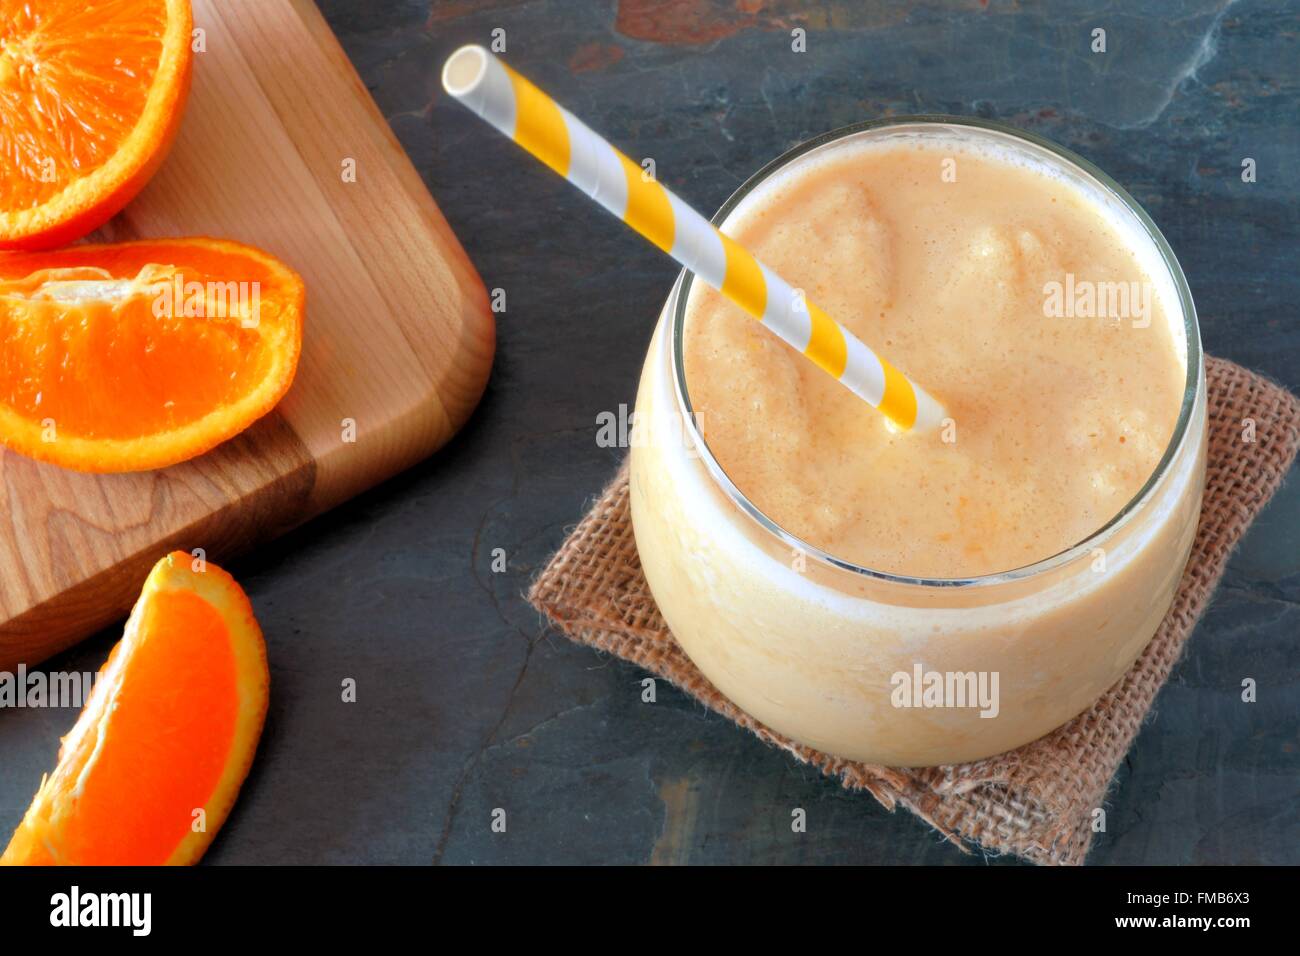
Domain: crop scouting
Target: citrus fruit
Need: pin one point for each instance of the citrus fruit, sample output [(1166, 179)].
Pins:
[(140, 355), (91, 97), (155, 761)]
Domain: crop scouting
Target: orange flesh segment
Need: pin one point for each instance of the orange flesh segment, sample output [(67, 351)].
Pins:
[(74, 79), (140, 355), (138, 794), (170, 729), (116, 370)]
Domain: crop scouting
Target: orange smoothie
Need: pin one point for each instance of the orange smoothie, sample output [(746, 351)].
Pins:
[(939, 257), (926, 598)]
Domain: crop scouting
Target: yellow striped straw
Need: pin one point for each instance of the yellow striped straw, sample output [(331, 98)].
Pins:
[(563, 142)]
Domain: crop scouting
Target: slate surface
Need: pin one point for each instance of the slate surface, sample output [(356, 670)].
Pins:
[(467, 704)]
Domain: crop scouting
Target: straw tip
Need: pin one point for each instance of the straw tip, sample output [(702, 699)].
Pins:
[(464, 70), (929, 413)]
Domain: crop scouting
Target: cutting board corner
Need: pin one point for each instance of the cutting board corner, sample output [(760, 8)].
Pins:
[(399, 338)]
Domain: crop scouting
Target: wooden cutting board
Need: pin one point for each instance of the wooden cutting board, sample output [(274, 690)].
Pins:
[(398, 334)]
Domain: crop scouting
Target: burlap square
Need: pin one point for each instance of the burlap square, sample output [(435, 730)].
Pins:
[(1037, 801)]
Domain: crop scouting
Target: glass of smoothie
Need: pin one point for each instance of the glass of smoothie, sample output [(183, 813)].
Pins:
[(918, 599)]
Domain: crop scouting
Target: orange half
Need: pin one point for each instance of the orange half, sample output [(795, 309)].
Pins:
[(153, 765), (91, 98), (140, 355)]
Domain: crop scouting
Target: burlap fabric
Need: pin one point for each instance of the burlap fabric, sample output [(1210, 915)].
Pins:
[(1037, 801)]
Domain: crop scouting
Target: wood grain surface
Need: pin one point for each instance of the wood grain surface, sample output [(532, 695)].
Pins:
[(398, 335)]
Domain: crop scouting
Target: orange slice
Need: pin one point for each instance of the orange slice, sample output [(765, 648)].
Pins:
[(141, 355), (91, 97), (153, 765)]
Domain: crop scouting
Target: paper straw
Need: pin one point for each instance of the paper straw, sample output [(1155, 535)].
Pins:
[(563, 142)]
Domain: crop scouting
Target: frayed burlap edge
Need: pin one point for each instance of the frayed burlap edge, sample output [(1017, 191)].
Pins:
[(1035, 802)]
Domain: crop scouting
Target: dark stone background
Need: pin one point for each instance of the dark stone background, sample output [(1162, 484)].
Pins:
[(466, 703)]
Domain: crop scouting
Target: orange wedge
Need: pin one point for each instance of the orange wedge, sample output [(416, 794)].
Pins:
[(152, 767), (91, 98), (141, 355)]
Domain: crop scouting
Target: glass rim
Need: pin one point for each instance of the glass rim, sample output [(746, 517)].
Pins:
[(1191, 390)]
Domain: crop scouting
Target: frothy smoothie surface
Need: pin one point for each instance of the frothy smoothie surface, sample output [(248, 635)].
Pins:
[(1060, 419)]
